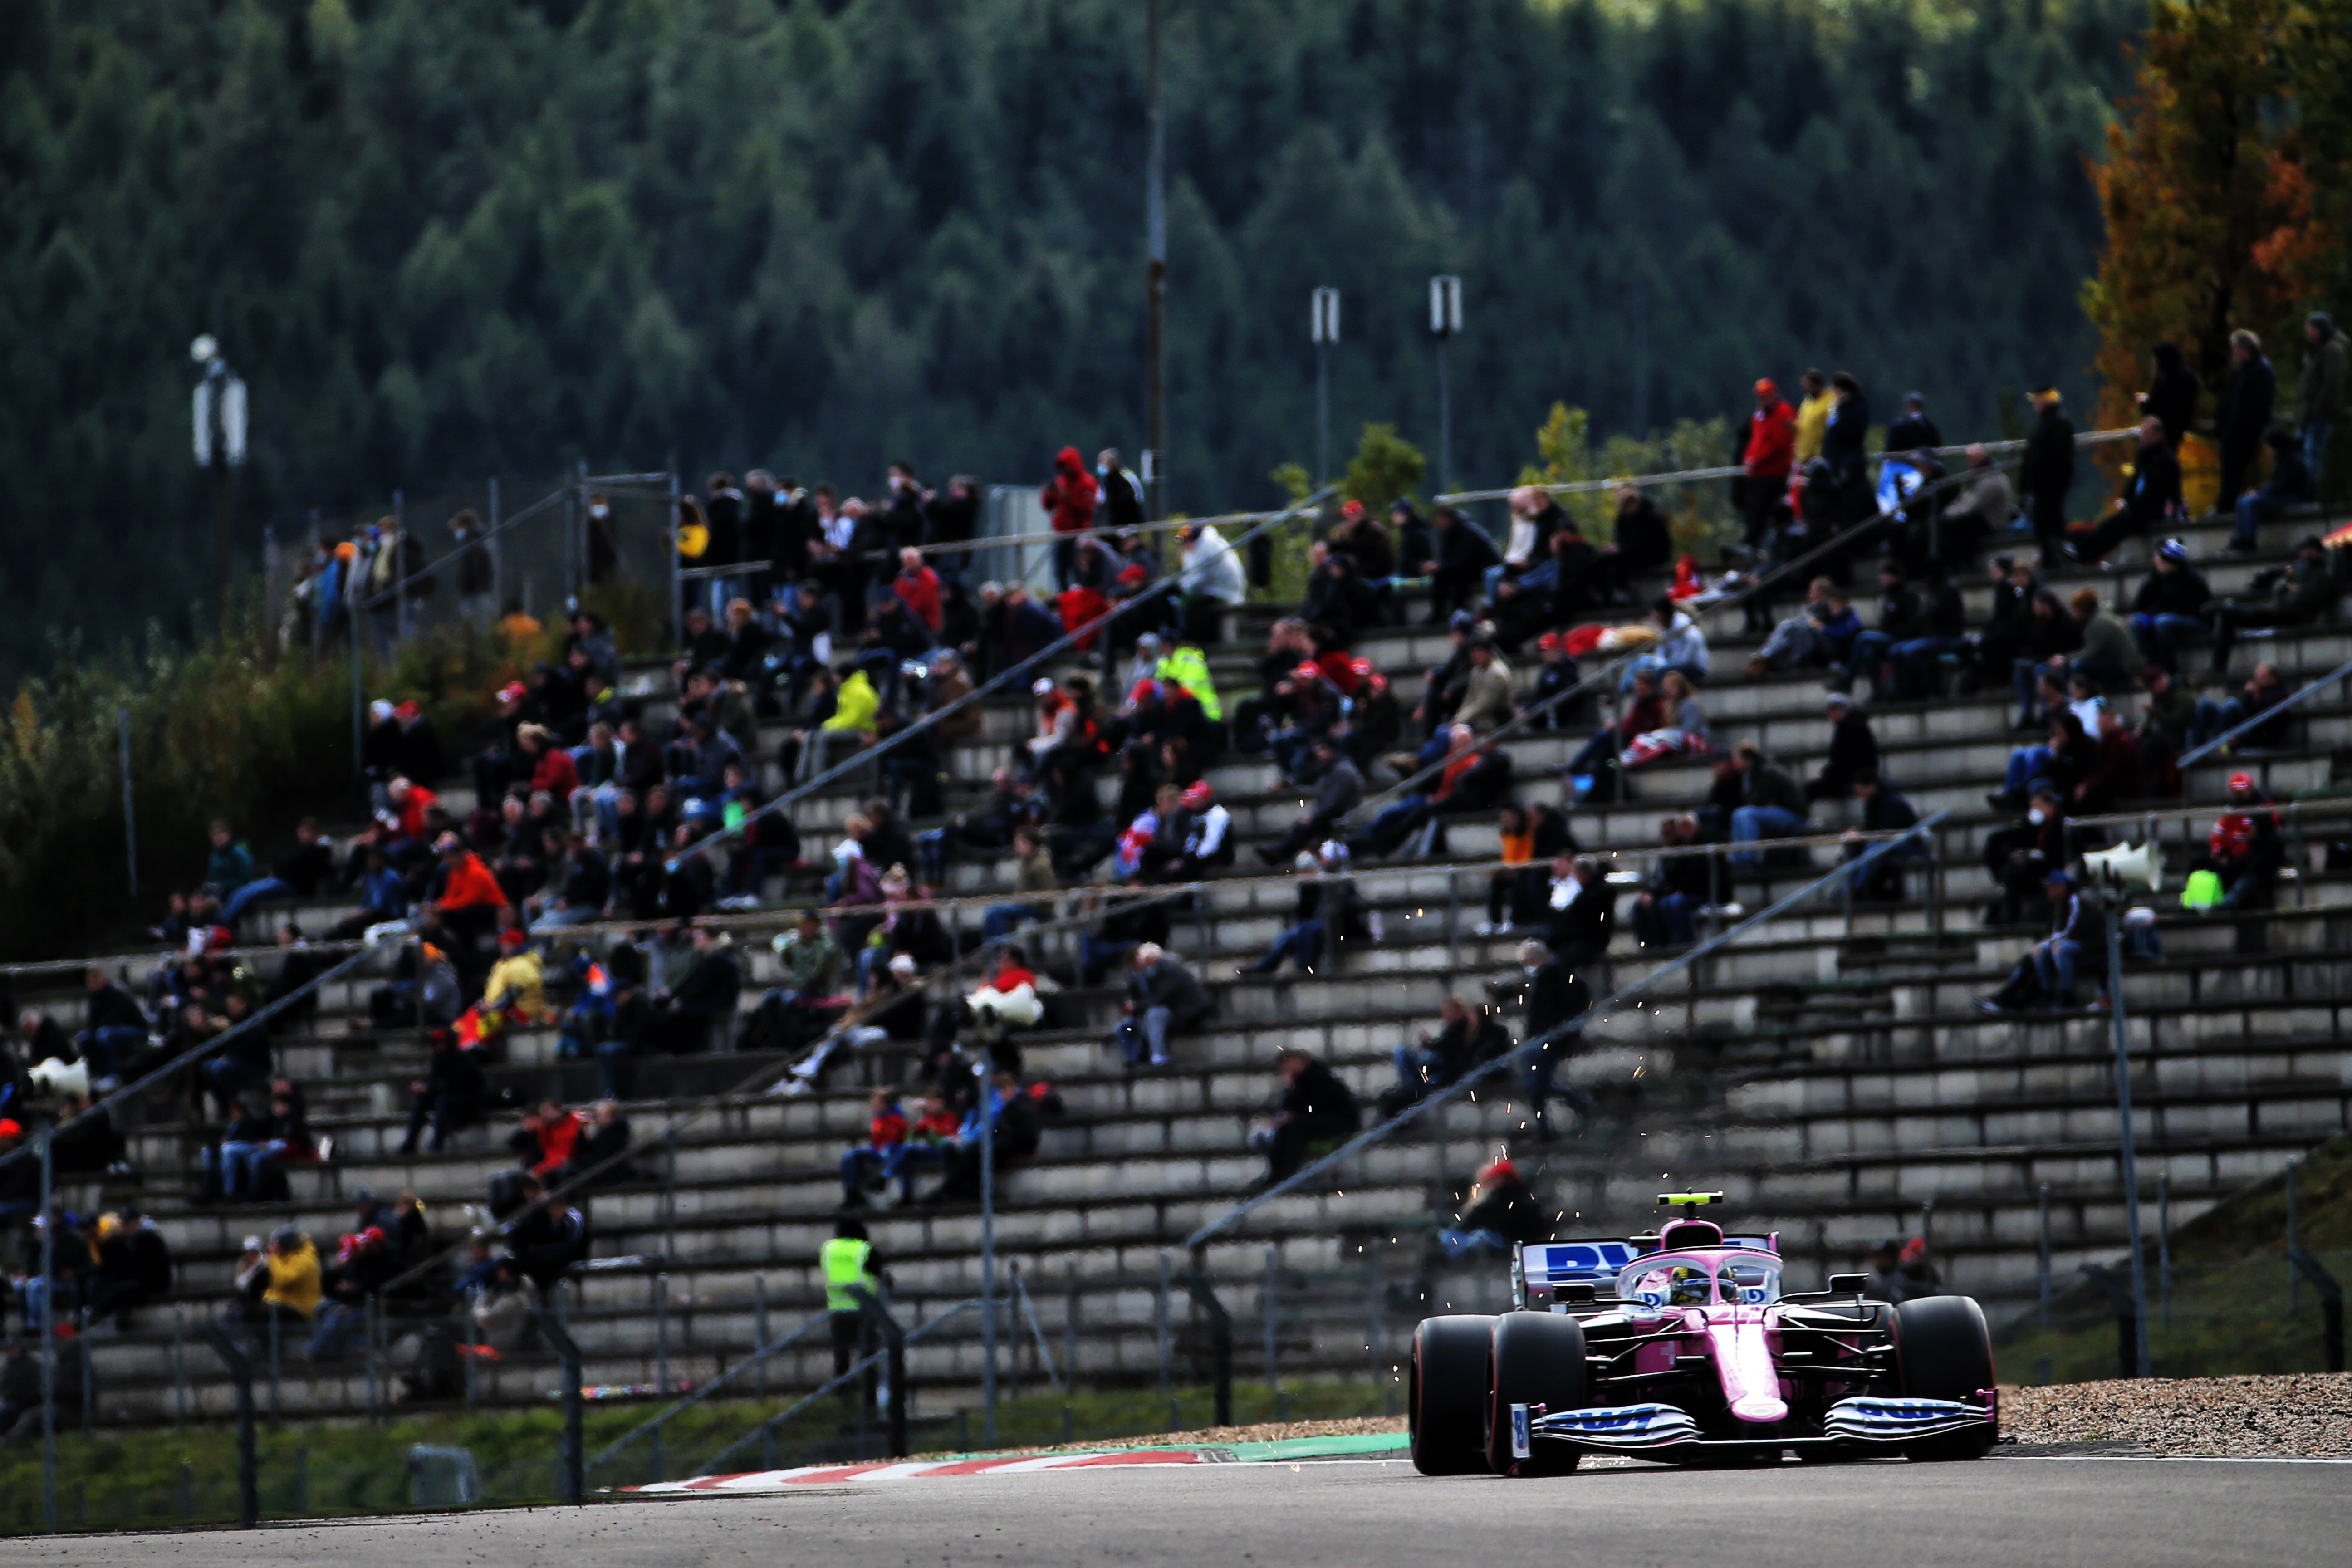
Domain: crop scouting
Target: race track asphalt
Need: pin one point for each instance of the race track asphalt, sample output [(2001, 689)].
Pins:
[(2014, 1509)]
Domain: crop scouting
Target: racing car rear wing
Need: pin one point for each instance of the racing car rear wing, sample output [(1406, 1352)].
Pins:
[(1547, 1265)]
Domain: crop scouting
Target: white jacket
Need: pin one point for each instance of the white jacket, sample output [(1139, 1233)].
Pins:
[(1211, 568), (1683, 645)]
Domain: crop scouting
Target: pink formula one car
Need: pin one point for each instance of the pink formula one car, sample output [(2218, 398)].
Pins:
[(1682, 1346)]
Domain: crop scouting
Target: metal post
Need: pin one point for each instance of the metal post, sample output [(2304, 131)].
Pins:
[(1452, 921), (2130, 1149), (179, 1367), (1014, 1295), (2045, 1255), (359, 704), (1155, 234), (987, 1252), (572, 1452), (2164, 1244), (89, 1375), (661, 1333), (248, 1466), (277, 1406), (48, 1338), (302, 1481), (473, 1345), (374, 1306), (1159, 1314), (2294, 1294), (1070, 1348), (759, 1332), (669, 1195), (1444, 418), (1266, 1301), (130, 823), (1322, 412)]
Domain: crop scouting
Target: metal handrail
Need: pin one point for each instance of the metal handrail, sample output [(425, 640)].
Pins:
[(1527, 1049), (1737, 470), (2199, 753), (756, 1359)]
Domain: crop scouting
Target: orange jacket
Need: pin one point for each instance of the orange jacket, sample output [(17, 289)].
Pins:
[(471, 883)]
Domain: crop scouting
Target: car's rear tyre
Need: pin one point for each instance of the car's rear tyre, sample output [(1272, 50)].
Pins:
[(1538, 1357), (1944, 1351), (1446, 1398)]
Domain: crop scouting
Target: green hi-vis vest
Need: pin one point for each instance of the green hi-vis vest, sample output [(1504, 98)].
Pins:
[(1188, 668), (843, 1261)]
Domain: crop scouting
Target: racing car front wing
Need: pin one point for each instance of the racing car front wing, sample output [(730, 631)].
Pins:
[(1862, 1419)]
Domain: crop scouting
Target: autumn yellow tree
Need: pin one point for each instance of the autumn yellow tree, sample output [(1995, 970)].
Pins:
[(2208, 207)]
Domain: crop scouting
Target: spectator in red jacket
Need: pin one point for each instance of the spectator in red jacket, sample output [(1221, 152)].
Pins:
[(1770, 451), (918, 586), (1070, 497), (552, 767), (886, 1129)]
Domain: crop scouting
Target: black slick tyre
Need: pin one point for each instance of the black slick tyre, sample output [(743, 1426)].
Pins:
[(1944, 1351), (1536, 1358), (1447, 1401)]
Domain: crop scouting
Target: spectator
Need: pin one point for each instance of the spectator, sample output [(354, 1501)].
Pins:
[(1500, 1215), (1008, 1000), (134, 1266), (1844, 448), (1852, 751), (1017, 1136), (2043, 979), (1899, 621), (1812, 420), (2164, 732), (918, 586), (1681, 645), (2172, 396), (1164, 998), (2262, 691), (1684, 735), (2243, 416), (1209, 838), (1646, 712), (298, 873), (2319, 388), (2049, 636), (1765, 801), (1316, 1114), (228, 1160), (1487, 697), (1885, 809), (1070, 499), (1983, 506), (2021, 855), (1032, 875), (1937, 631), (2114, 774), (603, 1138), (1510, 896), (230, 867), (363, 1265), (2061, 762), (2108, 655), (1665, 911), (284, 1282), (2047, 471), (1581, 913), (548, 1238), (2244, 851), (450, 1096), (1470, 1037), (886, 1132), (2151, 497), (1339, 790), (1794, 642), (1547, 706), (683, 1017), (2305, 592), (930, 1140), (2294, 483), (1766, 454), (1326, 908), (1464, 558), (2169, 610), (1840, 626), (1211, 582), (115, 1030), (1553, 1002)]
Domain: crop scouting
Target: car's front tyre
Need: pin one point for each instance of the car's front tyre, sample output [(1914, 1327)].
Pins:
[(1536, 1358), (1943, 1350), (1447, 1396)]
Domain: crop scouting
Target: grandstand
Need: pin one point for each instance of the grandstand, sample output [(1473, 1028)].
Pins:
[(1826, 1070)]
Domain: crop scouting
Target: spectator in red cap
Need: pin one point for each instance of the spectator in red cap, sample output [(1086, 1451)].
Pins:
[(1364, 540), (1768, 451), (2245, 851), (1557, 674), (363, 1265), (1209, 842), (918, 586), (1502, 1213)]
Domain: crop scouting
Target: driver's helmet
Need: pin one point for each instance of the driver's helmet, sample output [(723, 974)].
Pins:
[(1687, 1286)]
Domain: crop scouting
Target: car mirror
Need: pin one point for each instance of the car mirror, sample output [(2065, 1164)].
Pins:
[(1848, 1284), (1575, 1295)]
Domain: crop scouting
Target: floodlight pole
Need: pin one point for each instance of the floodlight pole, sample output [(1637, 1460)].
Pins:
[(1445, 320), (219, 409), (1325, 328), (1155, 224)]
